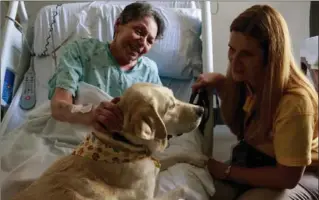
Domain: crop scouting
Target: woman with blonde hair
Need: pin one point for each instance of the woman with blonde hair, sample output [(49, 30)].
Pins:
[(269, 104)]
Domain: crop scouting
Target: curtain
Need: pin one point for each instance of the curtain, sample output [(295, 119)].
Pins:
[(314, 18)]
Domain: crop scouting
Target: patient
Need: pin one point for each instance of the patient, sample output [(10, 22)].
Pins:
[(271, 107), (112, 67)]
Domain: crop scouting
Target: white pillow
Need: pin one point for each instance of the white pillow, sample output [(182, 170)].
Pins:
[(176, 55)]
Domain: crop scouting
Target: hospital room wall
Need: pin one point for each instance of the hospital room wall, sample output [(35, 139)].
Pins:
[(295, 13)]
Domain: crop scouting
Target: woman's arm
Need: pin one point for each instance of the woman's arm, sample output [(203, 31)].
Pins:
[(278, 177), (219, 84), (212, 81), (62, 107)]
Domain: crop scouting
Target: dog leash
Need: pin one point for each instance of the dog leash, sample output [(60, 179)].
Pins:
[(203, 101)]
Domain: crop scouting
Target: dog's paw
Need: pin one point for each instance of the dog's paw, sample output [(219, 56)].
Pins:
[(198, 160)]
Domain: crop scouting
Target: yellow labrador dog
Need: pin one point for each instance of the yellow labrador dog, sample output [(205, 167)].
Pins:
[(120, 166)]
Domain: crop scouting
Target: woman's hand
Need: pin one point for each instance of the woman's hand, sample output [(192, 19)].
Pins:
[(107, 116), (208, 80), (216, 169)]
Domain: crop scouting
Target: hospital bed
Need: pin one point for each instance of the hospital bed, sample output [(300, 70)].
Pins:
[(184, 52)]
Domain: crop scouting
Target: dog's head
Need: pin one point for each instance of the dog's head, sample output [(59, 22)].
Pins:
[(151, 112)]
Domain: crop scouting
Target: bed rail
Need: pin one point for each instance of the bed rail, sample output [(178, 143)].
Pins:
[(14, 54)]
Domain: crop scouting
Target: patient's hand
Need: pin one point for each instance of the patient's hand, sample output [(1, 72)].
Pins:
[(107, 116)]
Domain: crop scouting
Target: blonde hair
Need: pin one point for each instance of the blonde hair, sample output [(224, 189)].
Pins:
[(266, 25)]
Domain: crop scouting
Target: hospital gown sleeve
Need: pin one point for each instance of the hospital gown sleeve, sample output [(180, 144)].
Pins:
[(70, 70)]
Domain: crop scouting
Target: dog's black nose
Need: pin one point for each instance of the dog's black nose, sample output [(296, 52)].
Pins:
[(200, 111)]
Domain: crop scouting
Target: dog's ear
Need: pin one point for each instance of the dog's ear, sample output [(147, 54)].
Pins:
[(144, 121)]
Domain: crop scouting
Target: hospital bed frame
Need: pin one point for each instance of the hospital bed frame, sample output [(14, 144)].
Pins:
[(11, 43)]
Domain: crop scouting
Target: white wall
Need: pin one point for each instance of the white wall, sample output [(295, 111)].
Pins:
[(296, 15)]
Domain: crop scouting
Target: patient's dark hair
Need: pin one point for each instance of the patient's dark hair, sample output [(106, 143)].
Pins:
[(139, 10)]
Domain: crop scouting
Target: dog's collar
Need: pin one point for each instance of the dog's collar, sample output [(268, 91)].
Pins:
[(94, 149), (119, 137)]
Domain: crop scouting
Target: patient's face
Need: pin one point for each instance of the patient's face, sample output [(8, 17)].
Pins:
[(245, 58), (136, 37)]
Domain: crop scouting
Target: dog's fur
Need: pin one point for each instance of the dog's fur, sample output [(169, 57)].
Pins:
[(150, 113)]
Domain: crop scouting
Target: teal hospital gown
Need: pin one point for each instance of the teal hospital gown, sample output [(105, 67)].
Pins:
[(90, 61)]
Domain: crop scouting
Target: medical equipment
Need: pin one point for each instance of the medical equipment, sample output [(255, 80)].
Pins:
[(26, 154), (8, 86), (28, 97)]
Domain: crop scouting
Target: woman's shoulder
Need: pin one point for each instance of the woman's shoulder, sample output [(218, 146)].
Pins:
[(296, 101)]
